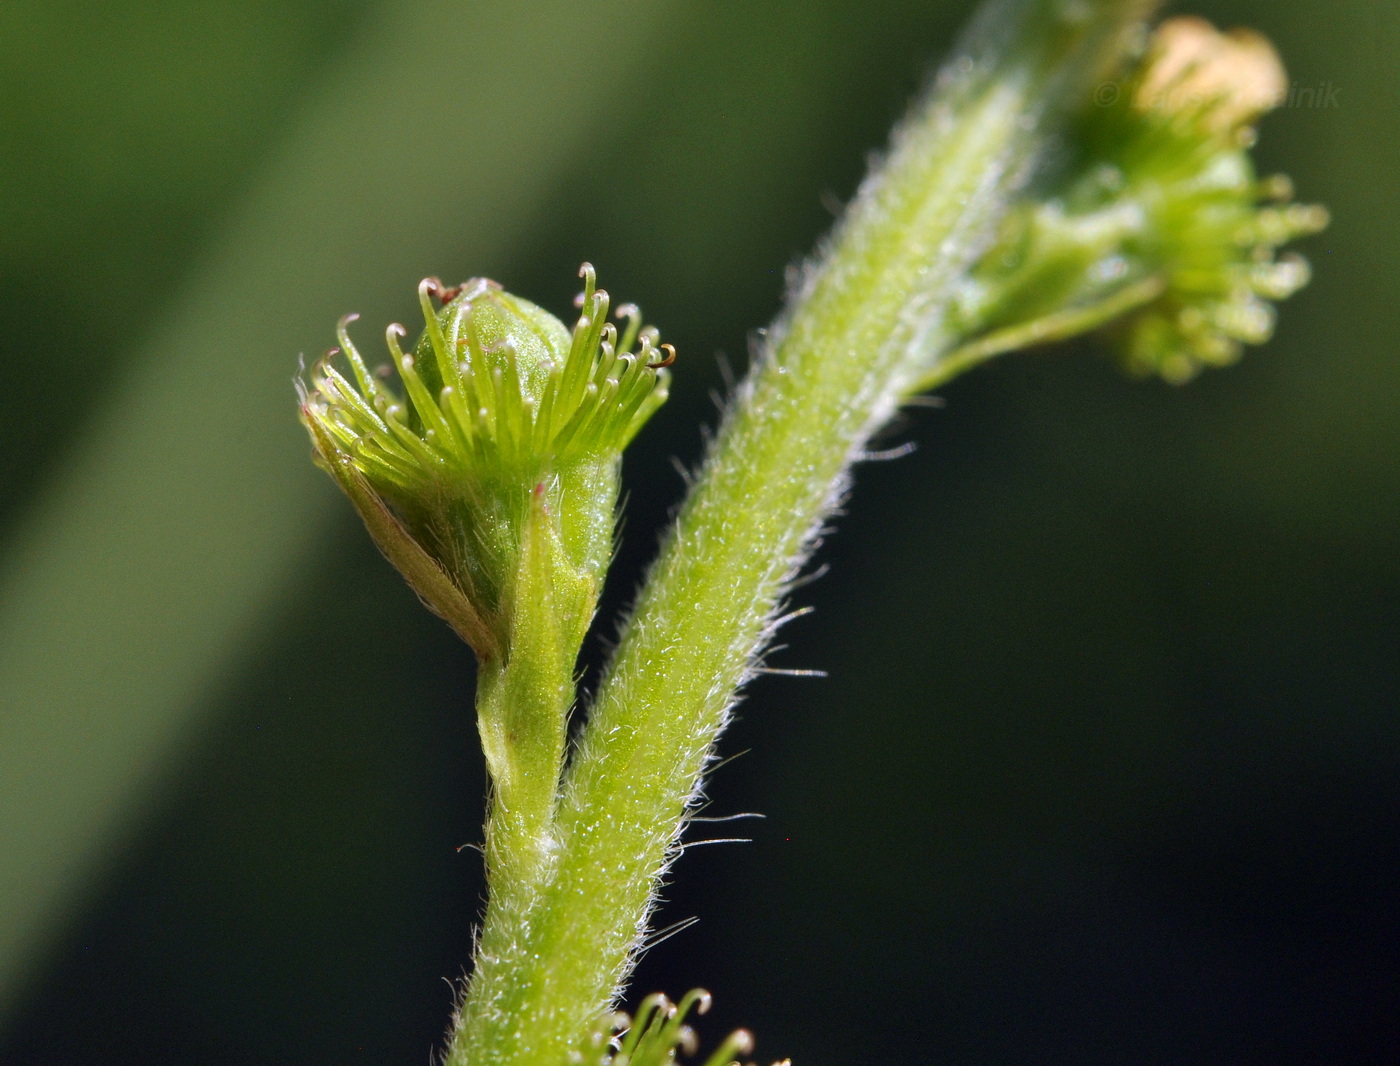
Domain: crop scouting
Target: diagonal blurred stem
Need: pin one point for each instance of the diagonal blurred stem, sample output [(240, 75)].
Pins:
[(865, 324), (1059, 326), (188, 509)]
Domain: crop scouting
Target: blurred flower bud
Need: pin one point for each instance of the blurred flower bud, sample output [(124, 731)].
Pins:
[(1226, 80), (1154, 225)]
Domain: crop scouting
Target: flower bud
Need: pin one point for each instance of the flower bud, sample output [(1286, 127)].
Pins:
[(495, 470), (1155, 225)]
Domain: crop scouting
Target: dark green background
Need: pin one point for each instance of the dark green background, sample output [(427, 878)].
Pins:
[(1106, 767)]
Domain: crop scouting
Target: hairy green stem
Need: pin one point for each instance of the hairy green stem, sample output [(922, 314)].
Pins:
[(865, 326)]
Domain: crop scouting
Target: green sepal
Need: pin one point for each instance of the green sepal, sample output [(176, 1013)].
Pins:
[(439, 593)]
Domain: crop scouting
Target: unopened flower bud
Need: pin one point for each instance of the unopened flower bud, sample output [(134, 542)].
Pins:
[(500, 453)]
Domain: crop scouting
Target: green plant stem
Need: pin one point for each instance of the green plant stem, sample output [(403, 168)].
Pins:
[(1046, 330), (864, 326)]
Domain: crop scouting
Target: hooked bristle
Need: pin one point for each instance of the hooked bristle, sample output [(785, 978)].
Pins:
[(659, 1035), (501, 392)]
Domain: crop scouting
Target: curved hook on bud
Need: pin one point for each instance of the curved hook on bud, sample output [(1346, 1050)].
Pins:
[(659, 1034)]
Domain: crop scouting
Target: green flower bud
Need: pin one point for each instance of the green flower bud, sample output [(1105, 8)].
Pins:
[(492, 480), (1155, 225)]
